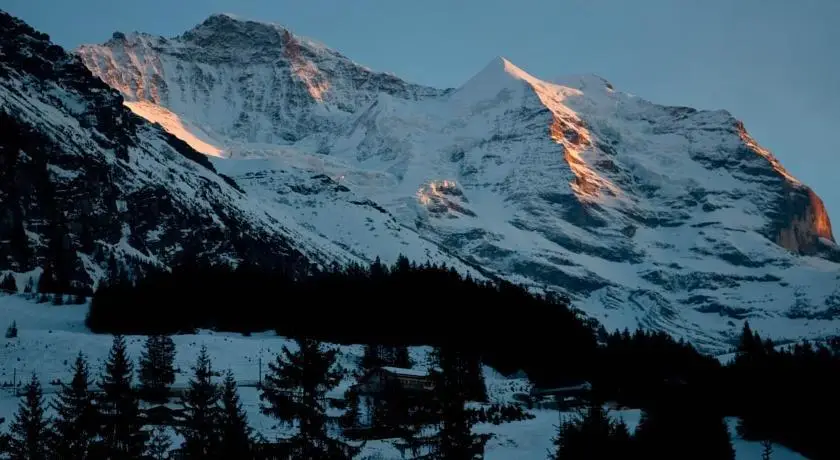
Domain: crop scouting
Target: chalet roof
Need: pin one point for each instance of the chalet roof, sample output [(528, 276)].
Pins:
[(406, 372), (583, 386)]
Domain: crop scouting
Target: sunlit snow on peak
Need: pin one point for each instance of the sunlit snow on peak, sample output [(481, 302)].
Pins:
[(173, 124)]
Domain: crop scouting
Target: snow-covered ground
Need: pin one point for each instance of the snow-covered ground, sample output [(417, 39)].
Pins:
[(49, 337)]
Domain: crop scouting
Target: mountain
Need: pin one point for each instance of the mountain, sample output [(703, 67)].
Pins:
[(665, 217), (246, 81), (90, 190)]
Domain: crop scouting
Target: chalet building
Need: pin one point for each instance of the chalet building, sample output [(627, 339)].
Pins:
[(563, 397), (409, 379), (373, 384)]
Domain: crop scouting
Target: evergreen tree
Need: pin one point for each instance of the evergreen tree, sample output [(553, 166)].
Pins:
[(8, 284), (29, 436), (766, 449), (295, 390), (201, 412), (377, 355), (455, 440), (593, 434), (75, 424), (235, 437), (12, 330), (159, 444), (665, 430), (401, 357), (372, 357), (30, 286), (121, 427), (157, 372), (4, 440)]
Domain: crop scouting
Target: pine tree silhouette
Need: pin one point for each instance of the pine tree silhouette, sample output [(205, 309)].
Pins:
[(29, 430), (766, 450), (455, 440), (156, 372), (159, 444), (121, 428), (200, 427), (235, 437), (295, 390), (75, 426)]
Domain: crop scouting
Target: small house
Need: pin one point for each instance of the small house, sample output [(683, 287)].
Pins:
[(568, 396), (371, 388), (374, 381)]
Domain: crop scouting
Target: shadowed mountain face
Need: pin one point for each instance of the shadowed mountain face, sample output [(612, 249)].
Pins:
[(665, 217), (88, 189)]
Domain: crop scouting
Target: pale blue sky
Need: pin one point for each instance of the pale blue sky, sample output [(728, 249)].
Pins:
[(774, 64)]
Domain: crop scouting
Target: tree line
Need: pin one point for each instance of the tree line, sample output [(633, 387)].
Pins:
[(404, 304), (769, 388)]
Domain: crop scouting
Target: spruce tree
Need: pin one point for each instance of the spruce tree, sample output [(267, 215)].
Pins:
[(235, 434), (455, 440), (592, 434), (8, 284), (12, 330), (372, 357), (159, 444), (200, 403), (157, 372), (121, 424), (29, 436), (295, 390), (665, 430), (75, 424), (401, 357), (766, 449)]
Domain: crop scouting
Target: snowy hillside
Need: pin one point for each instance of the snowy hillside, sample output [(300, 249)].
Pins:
[(665, 217), (50, 337)]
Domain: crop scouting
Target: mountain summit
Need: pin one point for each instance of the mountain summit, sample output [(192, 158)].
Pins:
[(666, 217), (244, 80)]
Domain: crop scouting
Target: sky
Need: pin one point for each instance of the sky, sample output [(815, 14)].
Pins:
[(774, 64)]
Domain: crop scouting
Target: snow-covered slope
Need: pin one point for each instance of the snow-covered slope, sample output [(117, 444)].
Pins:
[(665, 217)]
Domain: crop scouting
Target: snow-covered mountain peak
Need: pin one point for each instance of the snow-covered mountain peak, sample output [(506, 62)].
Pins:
[(241, 81), (644, 214)]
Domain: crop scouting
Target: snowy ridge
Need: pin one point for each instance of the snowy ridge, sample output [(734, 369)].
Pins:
[(665, 217), (244, 80)]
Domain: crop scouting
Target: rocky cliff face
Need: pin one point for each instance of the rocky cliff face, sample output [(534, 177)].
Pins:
[(90, 190), (246, 80), (665, 217)]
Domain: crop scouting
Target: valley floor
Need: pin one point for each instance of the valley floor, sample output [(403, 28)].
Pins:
[(50, 337)]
